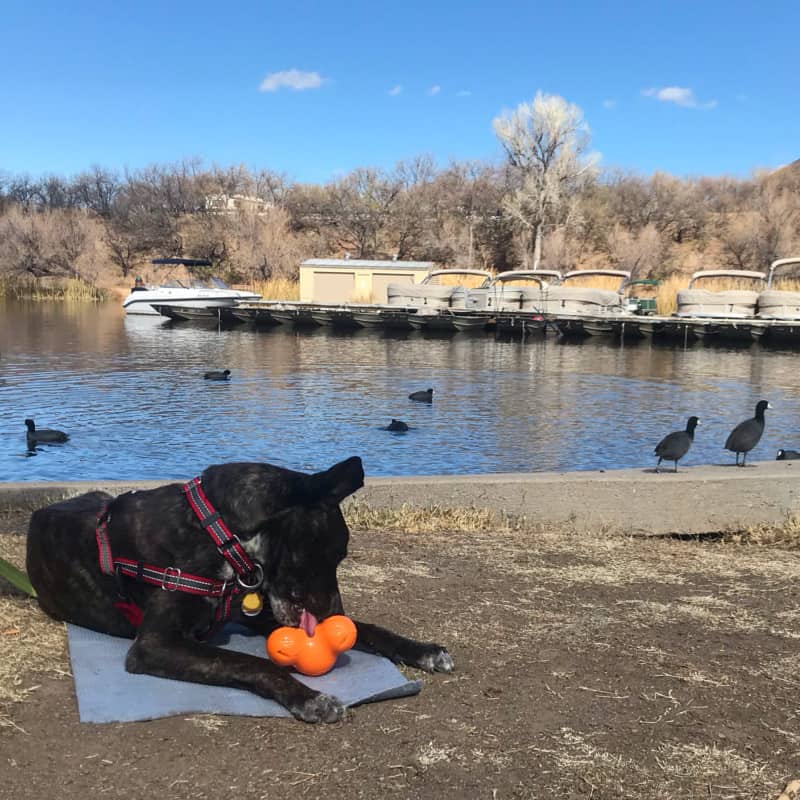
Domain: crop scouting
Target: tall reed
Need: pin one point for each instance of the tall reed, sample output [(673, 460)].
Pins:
[(608, 283), (467, 281), (277, 289), (31, 289)]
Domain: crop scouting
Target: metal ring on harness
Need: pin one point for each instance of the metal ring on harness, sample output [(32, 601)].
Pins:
[(258, 571), (171, 580)]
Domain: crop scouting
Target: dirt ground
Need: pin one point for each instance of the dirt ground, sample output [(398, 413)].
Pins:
[(586, 668)]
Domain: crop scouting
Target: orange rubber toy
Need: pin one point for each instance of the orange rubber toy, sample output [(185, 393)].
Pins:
[(312, 655)]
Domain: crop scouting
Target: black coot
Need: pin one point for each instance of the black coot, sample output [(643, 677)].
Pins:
[(674, 446), (787, 455), (397, 425), (745, 436), (217, 375), (43, 435), (425, 396)]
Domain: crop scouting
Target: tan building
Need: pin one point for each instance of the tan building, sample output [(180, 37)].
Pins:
[(353, 280)]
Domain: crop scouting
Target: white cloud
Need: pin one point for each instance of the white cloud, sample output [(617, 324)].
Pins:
[(609, 103), (680, 96), (294, 79), (464, 93), (434, 90), (395, 90)]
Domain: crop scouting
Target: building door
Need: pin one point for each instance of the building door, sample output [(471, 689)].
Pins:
[(334, 287)]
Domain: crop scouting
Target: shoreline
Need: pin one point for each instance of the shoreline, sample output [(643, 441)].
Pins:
[(696, 500)]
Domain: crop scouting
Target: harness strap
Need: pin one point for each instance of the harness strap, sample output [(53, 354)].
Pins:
[(171, 579), (227, 543)]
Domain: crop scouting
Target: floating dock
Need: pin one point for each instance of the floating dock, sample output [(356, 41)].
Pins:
[(685, 329)]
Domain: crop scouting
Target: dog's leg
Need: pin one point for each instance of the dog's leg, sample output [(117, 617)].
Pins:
[(428, 656), (164, 650)]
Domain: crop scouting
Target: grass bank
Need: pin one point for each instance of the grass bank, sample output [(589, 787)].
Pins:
[(40, 289)]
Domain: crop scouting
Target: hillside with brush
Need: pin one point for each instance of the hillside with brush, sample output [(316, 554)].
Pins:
[(100, 228)]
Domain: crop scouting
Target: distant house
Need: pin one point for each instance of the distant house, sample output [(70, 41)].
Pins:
[(231, 203), (355, 280)]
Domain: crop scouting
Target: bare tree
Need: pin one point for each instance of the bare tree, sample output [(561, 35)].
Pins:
[(640, 252), (546, 143), (359, 207), (43, 244)]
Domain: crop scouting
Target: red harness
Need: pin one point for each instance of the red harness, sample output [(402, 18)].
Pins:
[(249, 574)]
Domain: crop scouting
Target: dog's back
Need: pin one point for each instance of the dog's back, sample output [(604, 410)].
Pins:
[(63, 566)]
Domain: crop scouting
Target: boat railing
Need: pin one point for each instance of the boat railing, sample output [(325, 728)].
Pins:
[(780, 264)]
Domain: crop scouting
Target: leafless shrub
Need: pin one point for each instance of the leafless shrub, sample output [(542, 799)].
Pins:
[(38, 244), (641, 253)]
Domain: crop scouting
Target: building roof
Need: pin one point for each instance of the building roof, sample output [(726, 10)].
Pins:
[(363, 263)]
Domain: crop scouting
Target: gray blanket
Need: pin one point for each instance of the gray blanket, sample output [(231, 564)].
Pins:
[(107, 693)]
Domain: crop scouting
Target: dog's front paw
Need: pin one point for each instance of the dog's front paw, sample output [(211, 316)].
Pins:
[(319, 708), (436, 659)]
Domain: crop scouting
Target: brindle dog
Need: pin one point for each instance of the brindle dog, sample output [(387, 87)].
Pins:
[(287, 521)]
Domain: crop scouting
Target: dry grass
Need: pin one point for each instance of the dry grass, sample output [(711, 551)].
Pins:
[(68, 289), (467, 281), (786, 284), (728, 285), (608, 283), (667, 294), (277, 289), (432, 519), (30, 642), (785, 537)]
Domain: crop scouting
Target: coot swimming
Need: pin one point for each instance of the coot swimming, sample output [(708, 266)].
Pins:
[(43, 435), (425, 396), (217, 375)]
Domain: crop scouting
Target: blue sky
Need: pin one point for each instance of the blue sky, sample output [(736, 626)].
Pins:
[(688, 88)]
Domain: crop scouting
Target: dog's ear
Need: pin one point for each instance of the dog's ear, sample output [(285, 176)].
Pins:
[(336, 483)]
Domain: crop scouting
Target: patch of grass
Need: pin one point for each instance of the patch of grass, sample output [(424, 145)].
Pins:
[(608, 283), (785, 537), (433, 519), (278, 289), (66, 289)]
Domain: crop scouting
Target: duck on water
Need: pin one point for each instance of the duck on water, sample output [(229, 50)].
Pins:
[(43, 435)]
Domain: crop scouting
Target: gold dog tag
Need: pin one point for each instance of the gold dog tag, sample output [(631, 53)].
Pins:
[(252, 603)]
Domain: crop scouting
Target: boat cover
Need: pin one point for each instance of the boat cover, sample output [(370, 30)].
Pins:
[(419, 294), (575, 300), (777, 304), (704, 303), (532, 298)]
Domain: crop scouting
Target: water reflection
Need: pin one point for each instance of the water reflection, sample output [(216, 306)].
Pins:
[(132, 395)]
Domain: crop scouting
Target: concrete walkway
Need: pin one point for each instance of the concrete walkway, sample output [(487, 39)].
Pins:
[(695, 500)]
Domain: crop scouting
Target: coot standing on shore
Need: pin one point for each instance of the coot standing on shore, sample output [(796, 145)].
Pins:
[(674, 446), (746, 435)]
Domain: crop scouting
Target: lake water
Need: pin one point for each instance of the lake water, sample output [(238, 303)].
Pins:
[(130, 393)]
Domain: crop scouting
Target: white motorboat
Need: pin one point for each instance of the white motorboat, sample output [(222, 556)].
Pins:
[(212, 293)]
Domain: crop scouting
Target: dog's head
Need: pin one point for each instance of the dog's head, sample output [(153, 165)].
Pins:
[(300, 528)]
